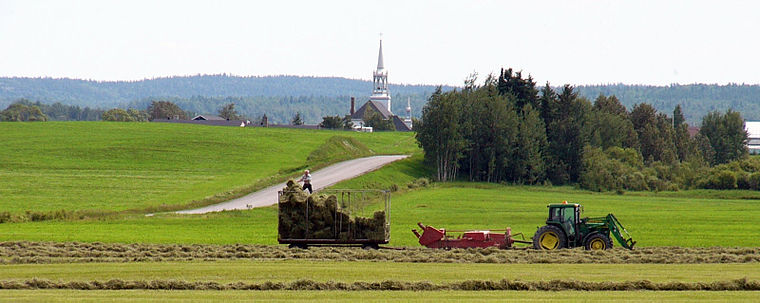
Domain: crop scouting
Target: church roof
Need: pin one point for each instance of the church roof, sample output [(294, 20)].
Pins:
[(377, 106), (400, 125)]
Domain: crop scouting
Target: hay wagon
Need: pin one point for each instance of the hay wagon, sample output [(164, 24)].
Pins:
[(333, 217)]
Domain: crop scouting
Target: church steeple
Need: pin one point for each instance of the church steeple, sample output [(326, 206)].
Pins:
[(380, 81), (380, 65)]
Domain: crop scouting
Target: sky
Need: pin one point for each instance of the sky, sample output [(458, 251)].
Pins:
[(424, 42)]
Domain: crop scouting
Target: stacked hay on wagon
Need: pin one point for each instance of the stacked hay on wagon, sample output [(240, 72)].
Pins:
[(317, 216)]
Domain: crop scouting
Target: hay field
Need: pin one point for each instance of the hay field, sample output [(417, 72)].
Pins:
[(670, 220), (104, 166)]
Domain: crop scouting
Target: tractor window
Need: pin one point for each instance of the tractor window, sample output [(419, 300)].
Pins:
[(569, 215), (568, 221), (555, 214)]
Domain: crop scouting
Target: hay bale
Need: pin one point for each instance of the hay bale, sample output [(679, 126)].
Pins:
[(317, 216)]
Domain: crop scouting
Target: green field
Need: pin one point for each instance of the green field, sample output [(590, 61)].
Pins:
[(102, 166), (257, 271), (142, 167), (671, 220)]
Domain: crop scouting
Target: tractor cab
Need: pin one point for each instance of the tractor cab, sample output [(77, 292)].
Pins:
[(566, 216)]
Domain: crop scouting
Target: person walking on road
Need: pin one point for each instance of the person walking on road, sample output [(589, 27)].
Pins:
[(306, 179)]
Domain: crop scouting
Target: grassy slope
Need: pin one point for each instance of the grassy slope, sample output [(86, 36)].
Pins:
[(671, 219), (373, 296), (285, 271), (119, 166)]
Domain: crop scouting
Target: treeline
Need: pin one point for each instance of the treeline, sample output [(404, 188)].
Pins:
[(25, 110), (505, 130), (696, 100), (280, 110), (269, 89)]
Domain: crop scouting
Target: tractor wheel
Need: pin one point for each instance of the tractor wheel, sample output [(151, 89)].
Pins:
[(598, 241), (549, 238)]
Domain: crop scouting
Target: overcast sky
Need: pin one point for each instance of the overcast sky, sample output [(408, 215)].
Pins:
[(424, 42)]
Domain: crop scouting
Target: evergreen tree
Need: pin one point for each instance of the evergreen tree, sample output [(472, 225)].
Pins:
[(655, 132), (678, 118), (566, 139), (548, 104), (531, 145), (333, 122), (686, 148), (524, 90), (297, 119)]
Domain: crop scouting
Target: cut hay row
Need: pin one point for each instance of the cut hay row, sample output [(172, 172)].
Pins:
[(24, 252), (469, 285)]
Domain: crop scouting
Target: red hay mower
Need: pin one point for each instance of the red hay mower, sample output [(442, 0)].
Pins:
[(440, 238)]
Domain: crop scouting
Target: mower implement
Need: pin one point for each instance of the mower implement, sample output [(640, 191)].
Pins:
[(441, 238)]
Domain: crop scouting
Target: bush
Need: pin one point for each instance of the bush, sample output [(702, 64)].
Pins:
[(722, 180), (754, 181)]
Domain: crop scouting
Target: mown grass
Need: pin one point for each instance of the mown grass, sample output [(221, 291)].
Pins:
[(685, 218), (652, 220), (101, 166), (258, 271), (373, 296)]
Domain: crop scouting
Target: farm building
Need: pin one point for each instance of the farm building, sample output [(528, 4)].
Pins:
[(753, 142)]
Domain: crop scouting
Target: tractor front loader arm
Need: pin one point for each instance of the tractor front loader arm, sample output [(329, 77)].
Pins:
[(615, 227)]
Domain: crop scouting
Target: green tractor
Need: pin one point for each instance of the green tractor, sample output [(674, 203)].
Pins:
[(566, 229)]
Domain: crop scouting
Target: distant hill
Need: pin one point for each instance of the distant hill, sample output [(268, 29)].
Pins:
[(279, 97)]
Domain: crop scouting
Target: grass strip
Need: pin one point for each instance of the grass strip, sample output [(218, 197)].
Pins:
[(259, 271), (395, 285), (23, 252)]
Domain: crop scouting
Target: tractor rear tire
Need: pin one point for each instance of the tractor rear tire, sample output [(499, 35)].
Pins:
[(598, 241), (549, 238)]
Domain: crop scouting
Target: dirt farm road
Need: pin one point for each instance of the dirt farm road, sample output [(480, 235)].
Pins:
[(321, 178)]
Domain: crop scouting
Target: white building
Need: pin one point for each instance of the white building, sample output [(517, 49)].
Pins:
[(380, 100), (753, 130)]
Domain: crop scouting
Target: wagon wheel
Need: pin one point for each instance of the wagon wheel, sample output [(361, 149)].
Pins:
[(549, 238)]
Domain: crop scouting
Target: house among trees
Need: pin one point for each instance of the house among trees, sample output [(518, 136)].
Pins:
[(376, 113)]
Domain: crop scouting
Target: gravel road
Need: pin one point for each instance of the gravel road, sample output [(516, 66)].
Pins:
[(320, 179)]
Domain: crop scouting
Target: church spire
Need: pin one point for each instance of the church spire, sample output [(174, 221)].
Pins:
[(380, 65), (380, 81)]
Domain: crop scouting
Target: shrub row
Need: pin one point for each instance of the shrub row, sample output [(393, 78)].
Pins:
[(619, 169)]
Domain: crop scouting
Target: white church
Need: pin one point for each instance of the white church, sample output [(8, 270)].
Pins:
[(380, 101)]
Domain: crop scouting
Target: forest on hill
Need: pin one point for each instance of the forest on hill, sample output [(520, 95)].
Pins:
[(280, 97)]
